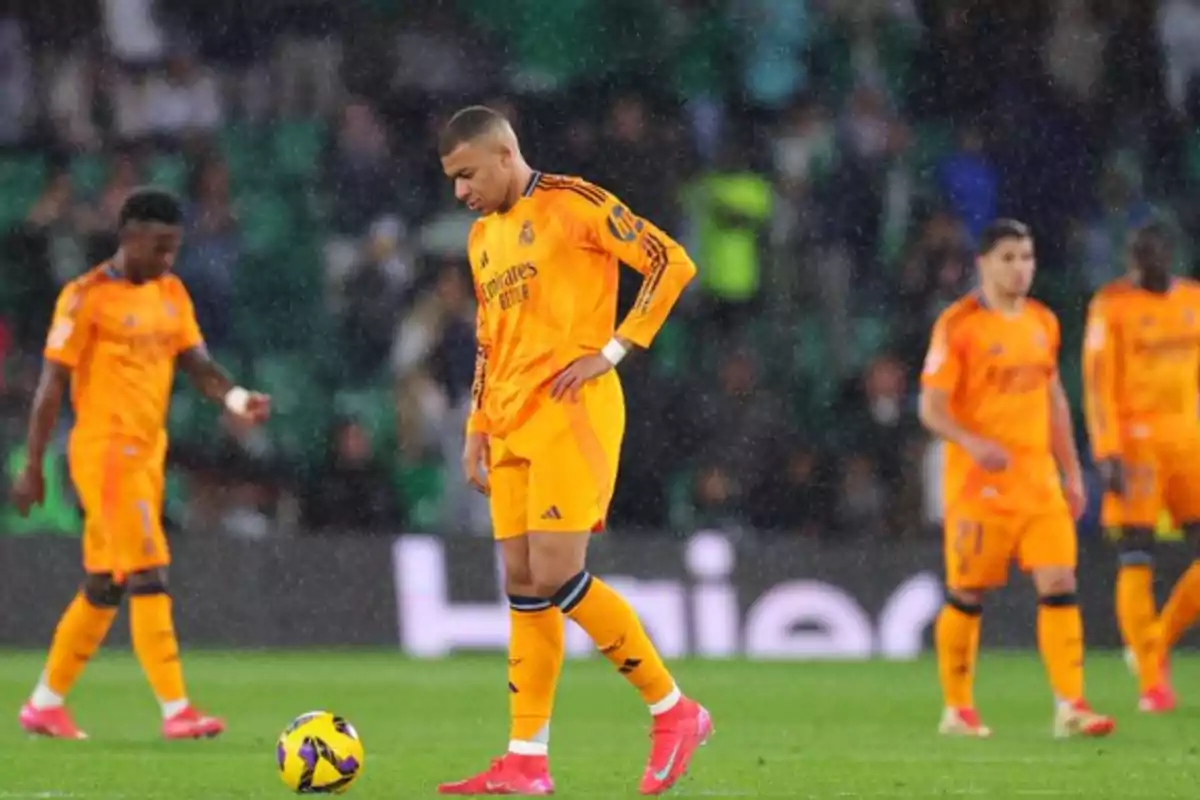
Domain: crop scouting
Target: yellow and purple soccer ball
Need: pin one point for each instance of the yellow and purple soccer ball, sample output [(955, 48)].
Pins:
[(319, 753)]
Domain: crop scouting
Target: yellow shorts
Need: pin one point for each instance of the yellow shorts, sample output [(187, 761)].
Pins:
[(1158, 475), (121, 490), (979, 551), (557, 471)]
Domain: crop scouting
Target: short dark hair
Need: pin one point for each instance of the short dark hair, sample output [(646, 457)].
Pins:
[(150, 204), (1152, 243), (467, 124), (998, 230), (1155, 232)]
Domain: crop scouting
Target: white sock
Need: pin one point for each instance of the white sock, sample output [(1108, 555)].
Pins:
[(667, 703), (45, 697), (526, 748), (172, 707)]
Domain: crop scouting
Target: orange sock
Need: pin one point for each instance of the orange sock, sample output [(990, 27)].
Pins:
[(1182, 607), (536, 645), (157, 648), (956, 639), (615, 628), (1060, 638), (80, 631), (1138, 621)]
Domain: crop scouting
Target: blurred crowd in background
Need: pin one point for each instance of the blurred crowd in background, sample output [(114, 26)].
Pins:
[(826, 162)]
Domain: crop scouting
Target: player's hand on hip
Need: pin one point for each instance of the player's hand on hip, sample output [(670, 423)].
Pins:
[(987, 454), (1076, 494), (581, 370), (29, 489), (1112, 475), (475, 460)]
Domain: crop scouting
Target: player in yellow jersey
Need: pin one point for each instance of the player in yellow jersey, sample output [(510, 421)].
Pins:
[(544, 436), (117, 334), (1142, 391), (1012, 482)]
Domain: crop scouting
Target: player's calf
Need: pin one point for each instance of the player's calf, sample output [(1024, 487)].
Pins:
[(956, 640), (1183, 606), (1060, 639), (1137, 615), (157, 648), (79, 633)]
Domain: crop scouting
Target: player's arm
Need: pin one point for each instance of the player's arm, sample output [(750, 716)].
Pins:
[(67, 341), (1062, 433), (665, 266), (940, 379), (193, 358), (476, 454), (1100, 353)]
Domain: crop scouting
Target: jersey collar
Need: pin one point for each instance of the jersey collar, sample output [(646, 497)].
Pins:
[(533, 182)]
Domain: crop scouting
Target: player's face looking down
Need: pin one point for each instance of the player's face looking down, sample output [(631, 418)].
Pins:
[(1150, 259), (1009, 266), (482, 171), (149, 248)]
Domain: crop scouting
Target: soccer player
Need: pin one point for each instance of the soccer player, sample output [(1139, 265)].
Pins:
[(1141, 368), (544, 435), (115, 338), (990, 388)]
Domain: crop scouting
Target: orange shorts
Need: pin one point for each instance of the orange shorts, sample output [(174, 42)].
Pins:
[(979, 549), (557, 471), (121, 489), (1158, 475)]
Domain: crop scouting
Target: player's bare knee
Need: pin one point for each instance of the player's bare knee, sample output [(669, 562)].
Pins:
[(1055, 585), (968, 601), (518, 576), (148, 581), (555, 559), (1135, 547), (102, 591)]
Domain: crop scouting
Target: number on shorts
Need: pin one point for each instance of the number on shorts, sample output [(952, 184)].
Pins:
[(968, 542)]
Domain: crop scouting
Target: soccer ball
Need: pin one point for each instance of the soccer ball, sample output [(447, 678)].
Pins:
[(319, 753)]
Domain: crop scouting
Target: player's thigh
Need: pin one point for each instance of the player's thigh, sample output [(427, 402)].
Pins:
[(978, 550), (508, 491), (1141, 501), (123, 519), (1181, 482), (574, 449), (1048, 541)]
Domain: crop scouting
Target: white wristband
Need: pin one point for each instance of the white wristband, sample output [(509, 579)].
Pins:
[(237, 400), (614, 351)]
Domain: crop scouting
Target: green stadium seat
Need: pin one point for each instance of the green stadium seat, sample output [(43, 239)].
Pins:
[(300, 411), (21, 179), (297, 147), (420, 487), (267, 222), (168, 171), (175, 495), (374, 408), (931, 141), (88, 173), (870, 338)]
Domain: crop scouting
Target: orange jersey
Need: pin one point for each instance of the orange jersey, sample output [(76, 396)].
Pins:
[(120, 340), (998, 371), (545, 274), (1141, 359)]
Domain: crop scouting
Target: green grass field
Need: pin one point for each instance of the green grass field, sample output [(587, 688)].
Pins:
[(783, 730)]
